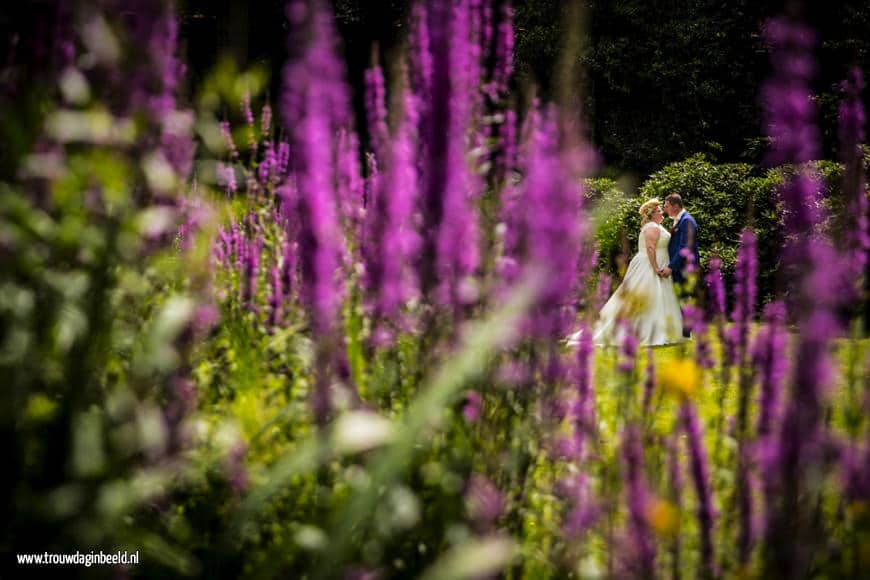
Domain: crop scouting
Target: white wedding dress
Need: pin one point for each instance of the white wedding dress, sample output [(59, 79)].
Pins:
[(645, 300)]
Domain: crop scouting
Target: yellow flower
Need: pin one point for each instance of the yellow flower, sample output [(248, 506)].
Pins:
[(681, 377), (663, 518)]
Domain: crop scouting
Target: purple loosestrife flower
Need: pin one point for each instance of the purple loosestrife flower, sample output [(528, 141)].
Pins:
[(456, 247), (163, 44), (856, 241), (266, 121), (351, 186), (266, 170), (715, 290), (223, 248), (487, 25), (376, 110), (418, 46), (283, 158), (504, 51), (484, 502), (398, 283), (675, 495), (692, 316), (205, 317), (643, 546), (276, 297), (436, 26), (151, 27), (508, 159), (745, 292), (250, 272), (585, 413), (649, 383), (771, 363), (746, 493), (746, 271), (249, 120), (602, 291), (240, 245), (703, 351), (314, 104), (584, 511), (288, 269), (552, 229), (627, 348), (229, 143), (320, 242), (473, 406), (797, 460), (790, 115), (176, 144), (700, 471), (235, 469)]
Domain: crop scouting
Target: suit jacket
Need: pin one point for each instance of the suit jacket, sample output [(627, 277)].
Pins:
[(683, 235)]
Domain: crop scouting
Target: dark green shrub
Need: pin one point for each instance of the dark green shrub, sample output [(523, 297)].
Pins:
[(616, 220), (723, 198)]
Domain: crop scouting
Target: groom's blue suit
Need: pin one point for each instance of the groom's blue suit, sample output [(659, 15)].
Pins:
[(684, 234)]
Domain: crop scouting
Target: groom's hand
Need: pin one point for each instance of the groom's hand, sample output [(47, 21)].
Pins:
[(665, 272)]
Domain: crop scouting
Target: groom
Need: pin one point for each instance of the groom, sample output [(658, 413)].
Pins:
[(684, 240)]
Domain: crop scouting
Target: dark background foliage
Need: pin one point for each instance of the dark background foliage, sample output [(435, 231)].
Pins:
[(663, 80)]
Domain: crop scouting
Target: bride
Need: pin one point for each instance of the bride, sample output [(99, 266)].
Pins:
[(645, 300)]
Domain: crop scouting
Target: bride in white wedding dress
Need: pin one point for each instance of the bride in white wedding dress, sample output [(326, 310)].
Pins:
[(646, 299)]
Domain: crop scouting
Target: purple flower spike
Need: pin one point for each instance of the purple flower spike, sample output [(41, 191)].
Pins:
[(585, 510), (249, 120), (418, 41), (552, 234), (627, 349), (314, 105), (649, 382), (584, 413), (376, 110), (276, 297), (817, 273), (235, 469), (400, 284), (745, 289), (700, 471), (266, 120), (456, 246), (771, 363), (642, 546), (504, 50), (351, 185), (230, 144), (715, 290), (485, 503), (473, 406), (226, 177), (508, 158), (251, 270)]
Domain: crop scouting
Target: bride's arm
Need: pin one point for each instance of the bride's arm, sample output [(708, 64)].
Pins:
[(651, 238)]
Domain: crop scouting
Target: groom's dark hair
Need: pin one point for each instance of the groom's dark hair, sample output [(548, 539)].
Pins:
[(674, 199)]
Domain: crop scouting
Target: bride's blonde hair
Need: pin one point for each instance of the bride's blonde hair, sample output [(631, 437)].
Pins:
[(647, 209)]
